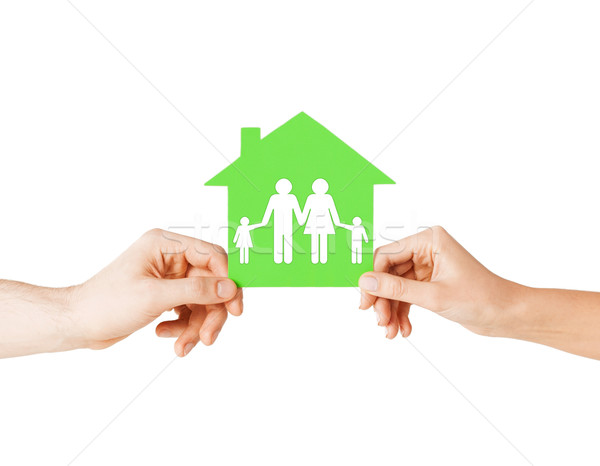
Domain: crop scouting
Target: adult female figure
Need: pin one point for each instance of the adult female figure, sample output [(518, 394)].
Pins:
[(321, 216)]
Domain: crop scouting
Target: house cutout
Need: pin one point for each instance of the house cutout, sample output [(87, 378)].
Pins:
[(300, 208)]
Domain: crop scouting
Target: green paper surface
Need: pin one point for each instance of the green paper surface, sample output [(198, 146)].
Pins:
[(301, 151)]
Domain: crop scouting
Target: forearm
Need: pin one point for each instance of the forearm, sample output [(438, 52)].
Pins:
[(35, 319), (565, 319)]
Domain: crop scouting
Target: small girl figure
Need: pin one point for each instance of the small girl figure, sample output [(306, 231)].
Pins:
[(243, 240), (358, 235)]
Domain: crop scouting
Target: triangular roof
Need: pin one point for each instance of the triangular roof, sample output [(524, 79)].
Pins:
[(301, 141)]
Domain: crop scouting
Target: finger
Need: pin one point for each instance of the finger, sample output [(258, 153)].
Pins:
[(391, 330), (198, 272), (236, 305), (403, 250), (197, 290), (399, 269), (397, 252), (212, 256), (366, 300), (216, 316), (179, 309), (403, 320), (191, 335), (389, 286), (174, 328), (197, 252), (171, 328), (382, 309)]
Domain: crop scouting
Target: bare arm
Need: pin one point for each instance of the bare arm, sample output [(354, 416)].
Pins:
[(34, 319), (432, 270), (565, 319)]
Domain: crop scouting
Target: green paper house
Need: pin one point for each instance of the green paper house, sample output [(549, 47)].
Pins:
[(300, 208)]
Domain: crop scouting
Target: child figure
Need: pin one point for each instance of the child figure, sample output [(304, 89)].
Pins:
[(243, 240), (359, 234)]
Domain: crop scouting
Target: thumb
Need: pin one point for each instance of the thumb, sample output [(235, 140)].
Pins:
[(170, 293), (424, 294)]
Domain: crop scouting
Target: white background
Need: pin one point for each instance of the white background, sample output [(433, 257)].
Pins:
[(505, 158)]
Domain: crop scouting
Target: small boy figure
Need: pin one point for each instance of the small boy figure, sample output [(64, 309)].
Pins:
[(359, 234), (243, 240)]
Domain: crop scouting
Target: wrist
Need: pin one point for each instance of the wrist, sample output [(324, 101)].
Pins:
[(68, 333), (76, 327), (516, 317)]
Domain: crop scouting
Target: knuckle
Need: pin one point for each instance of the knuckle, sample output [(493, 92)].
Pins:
[(439, 230), (217, 257), (220, 250), (153, 233), (197, 286), (377, 259), (151, 236), (396, 287), (382, 258)]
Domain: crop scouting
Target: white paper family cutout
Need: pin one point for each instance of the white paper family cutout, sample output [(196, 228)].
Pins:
[(318, 217)]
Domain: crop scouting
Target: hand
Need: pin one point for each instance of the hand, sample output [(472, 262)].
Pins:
[(159, 272), (432, 270)]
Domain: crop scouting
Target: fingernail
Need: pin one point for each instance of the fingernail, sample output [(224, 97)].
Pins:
[(189, 347), (225, 288), (216, 335), (368, 283), (402, 332), (387, 332), (164, 334), (378, 318)]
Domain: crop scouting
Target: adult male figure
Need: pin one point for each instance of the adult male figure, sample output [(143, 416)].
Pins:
[(283, 206)]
